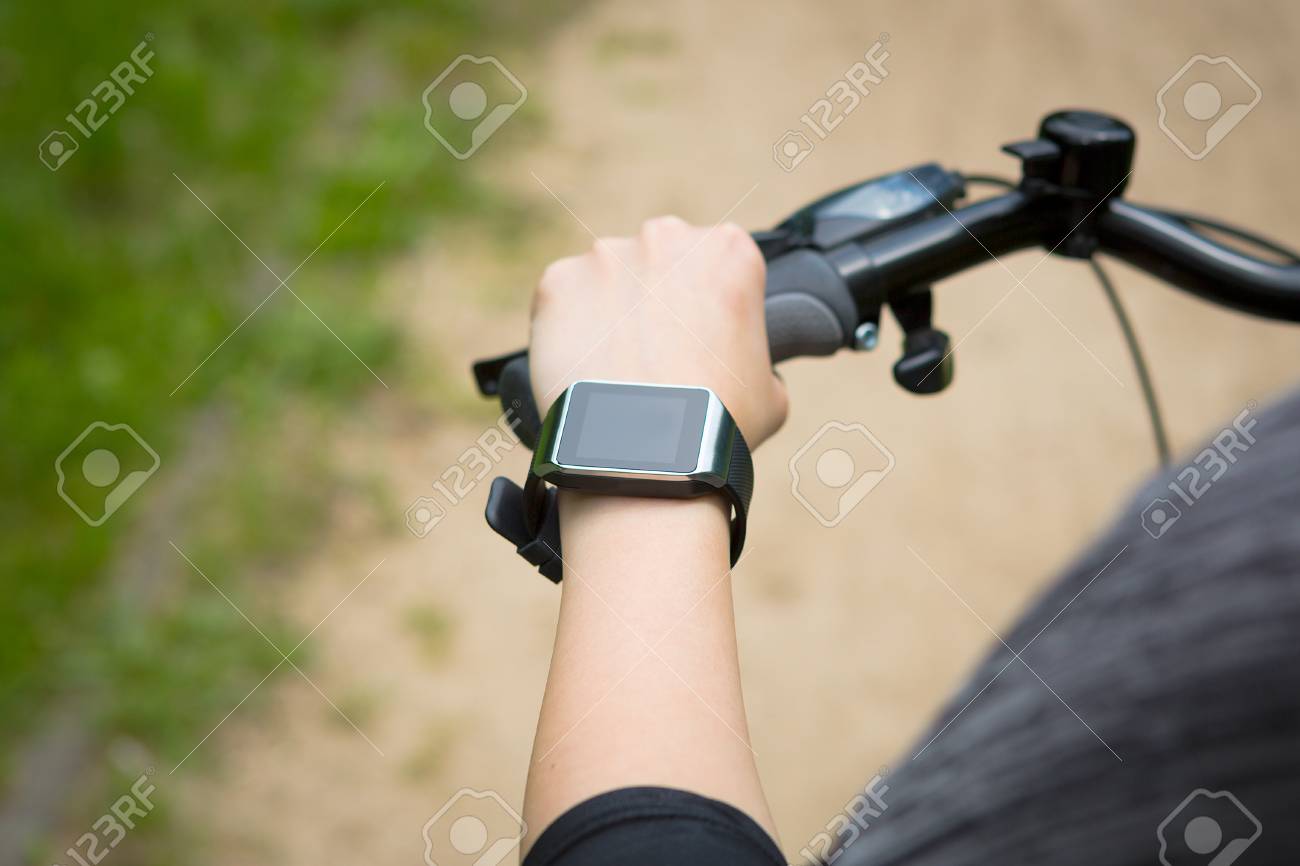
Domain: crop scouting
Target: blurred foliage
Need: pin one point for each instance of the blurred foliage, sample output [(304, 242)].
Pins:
[(117, 283), (432, 629)]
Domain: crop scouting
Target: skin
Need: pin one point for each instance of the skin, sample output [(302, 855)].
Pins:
[(644, 684)]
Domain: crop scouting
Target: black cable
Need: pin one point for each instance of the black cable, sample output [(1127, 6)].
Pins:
[(1130, 336), (1191, 219), (1139, 362), (1195, 220)]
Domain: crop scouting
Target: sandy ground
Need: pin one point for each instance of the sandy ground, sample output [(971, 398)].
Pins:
[(849, 643)]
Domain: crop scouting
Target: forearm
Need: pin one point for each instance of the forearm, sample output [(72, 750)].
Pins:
[(644, 686)]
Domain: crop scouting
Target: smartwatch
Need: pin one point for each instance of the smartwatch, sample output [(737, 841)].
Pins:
[(624, 439)]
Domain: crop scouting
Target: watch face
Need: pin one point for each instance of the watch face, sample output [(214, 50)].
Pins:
[(646, 428)]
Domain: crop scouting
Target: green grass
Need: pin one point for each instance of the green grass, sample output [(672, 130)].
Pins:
[(283, 117), (117, 283)]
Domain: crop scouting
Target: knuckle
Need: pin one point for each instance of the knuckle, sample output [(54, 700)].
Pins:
[(553, 280), (741, 289), (732, 233), (663, 228), (553, 272), (740, 243), (605, 253)]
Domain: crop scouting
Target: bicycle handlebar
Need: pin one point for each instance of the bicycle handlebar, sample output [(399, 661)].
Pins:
[(1169, 249), (818, 298)]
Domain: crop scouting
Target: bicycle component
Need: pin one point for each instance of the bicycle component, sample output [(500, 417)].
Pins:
[(625, 439), (866, 336), (1139, 362), (833, 265), (859, 211), (927, 365), (1079, 160)]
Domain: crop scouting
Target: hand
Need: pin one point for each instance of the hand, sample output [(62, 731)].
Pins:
[(676, 305)]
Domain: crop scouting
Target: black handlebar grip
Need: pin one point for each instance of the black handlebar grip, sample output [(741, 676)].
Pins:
[(809, 308), (809, 312)]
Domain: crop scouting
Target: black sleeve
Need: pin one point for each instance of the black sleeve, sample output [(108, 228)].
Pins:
[(654, 827)]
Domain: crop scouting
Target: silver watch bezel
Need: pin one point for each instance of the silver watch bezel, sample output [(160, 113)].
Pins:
[(711, 464)]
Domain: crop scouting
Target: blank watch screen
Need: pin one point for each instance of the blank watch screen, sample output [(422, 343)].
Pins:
[(636, 427)]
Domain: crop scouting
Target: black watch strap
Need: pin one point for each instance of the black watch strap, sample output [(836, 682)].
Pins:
[(507, 514), (529, 517), (739, 489)]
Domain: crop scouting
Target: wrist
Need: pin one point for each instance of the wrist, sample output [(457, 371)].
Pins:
[(612, 535)]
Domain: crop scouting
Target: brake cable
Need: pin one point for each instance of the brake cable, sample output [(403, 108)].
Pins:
[(1139, 361), (1197, 221), (1158, 431)]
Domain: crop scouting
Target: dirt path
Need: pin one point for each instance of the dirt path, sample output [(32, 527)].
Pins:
[(848, 642)]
